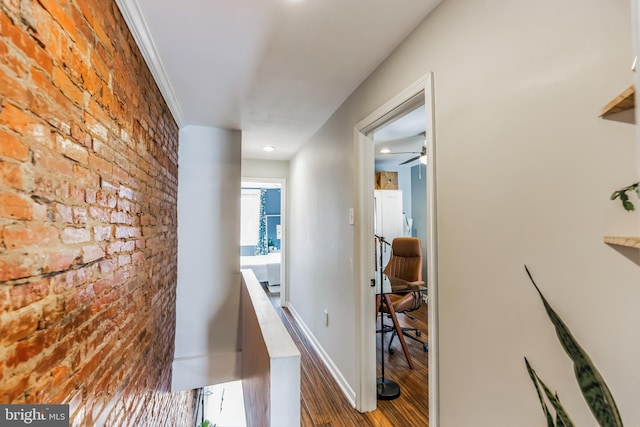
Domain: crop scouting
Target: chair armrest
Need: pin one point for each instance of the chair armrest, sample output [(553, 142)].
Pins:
[(401, 285)]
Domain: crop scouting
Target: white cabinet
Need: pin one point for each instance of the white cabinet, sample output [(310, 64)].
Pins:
[(389, 223)]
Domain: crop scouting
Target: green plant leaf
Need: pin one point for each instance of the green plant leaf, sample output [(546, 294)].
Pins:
[(624, 198), (593, 387), (562, 418), (534, 379)]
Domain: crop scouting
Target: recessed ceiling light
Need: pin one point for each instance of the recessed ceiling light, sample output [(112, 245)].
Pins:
[(385, 151), (269, 148)]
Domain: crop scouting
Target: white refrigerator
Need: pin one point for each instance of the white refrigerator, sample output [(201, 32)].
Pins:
[(389, 222)]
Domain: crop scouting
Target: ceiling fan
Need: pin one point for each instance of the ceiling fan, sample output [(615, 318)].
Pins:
[(422, 154)]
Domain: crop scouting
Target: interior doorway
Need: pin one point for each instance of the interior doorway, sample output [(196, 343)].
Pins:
[(263, 233), (416, 99)]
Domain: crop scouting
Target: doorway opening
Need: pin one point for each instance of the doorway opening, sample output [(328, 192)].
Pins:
[(262, 234), (414, 103)]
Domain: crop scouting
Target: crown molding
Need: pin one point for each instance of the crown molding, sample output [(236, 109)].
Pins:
[(138, 26)]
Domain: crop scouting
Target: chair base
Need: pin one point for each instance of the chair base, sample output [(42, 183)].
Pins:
[(387, 389), (405, 332)]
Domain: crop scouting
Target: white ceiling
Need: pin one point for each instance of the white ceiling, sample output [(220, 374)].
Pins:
[(403, 137), (276, 69)]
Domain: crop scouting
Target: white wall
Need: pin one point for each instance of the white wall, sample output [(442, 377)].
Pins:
[(255, 168), (525, 169), (208, 294)]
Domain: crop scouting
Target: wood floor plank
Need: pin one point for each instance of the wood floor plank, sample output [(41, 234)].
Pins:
[(322, 402)]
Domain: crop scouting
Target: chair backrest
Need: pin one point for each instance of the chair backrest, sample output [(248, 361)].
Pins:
[(406, 259)]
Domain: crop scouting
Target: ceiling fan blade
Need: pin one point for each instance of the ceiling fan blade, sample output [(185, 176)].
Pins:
[(410, 160)]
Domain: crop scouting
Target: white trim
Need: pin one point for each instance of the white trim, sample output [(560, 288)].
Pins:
[(134, 18), (284, 283), (432, 258), (333, 369), (366, 395), (366, 385)]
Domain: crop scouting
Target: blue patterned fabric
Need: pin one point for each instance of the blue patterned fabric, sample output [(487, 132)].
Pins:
[(262, 248)]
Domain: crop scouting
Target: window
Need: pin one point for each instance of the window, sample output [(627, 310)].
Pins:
[(249, 217)]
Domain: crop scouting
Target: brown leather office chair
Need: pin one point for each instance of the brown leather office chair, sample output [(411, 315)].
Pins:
[(404, 271)]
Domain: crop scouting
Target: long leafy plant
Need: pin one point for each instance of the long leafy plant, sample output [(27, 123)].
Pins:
[(593, 387)]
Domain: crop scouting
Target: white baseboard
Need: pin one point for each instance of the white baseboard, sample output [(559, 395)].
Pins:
[(348, 391)]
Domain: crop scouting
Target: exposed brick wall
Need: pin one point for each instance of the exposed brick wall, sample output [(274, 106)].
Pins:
[(88, 250)]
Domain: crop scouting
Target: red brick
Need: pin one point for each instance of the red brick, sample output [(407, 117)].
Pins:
[(19, 236), (41, 134), (95, 127), (14, 206), (64, 83), (137, 257), (80, 298), (86, 134), (31, 347), (75, 235), (50, 364), (128, 246), (12, 146), (11, 175), (100, 165), (78, 134), (102, 233), (17, 266), (76, 193), (61, 260), (47, 31), (124, 260), (80, 215), (18, 325), (25, 43), (86, 177), (14, 118), (92, 253), (12, 61), (98, 214), (71, 279), (61, 191), (54, 163), (108, 265), (114, 247), (14, 389), (72, 150), (61, 16), (28, 293), (106, 284), (103, 150), (63, 213), (13, 88)]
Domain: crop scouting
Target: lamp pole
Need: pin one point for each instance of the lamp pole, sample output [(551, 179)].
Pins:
[(387, 389)]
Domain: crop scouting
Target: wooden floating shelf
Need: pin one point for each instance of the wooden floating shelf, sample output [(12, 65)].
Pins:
[(622, 107), (629, 242)]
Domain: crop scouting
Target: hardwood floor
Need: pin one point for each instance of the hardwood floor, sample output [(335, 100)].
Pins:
[(322, 402)]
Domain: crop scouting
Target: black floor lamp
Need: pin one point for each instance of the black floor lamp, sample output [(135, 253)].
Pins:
[(387, 389)]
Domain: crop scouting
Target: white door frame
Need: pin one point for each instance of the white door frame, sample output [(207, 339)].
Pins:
[(284, 287), (366, 392)]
